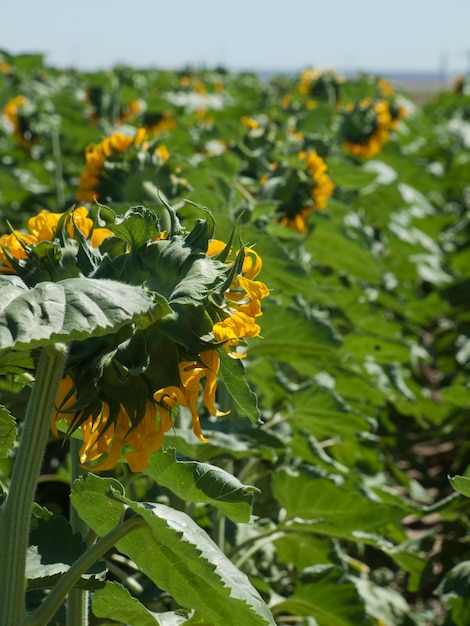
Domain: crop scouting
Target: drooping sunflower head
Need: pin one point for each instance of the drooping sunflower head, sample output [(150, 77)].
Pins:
[(118, 169), (324, 86), (299, 185), (122, 390), (364, 127), (39, 254), (16, 116), (157, 122)]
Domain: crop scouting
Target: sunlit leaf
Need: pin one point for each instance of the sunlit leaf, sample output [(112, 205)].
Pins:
[(193, 481), (70, 309), (175, 553)]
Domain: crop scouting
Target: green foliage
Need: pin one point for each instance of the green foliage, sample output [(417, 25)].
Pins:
[(7, 432), (175, 553), (326, 486), (71, 309), (200, 482)]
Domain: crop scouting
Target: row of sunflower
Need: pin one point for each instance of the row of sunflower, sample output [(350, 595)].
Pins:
[(353, 204)]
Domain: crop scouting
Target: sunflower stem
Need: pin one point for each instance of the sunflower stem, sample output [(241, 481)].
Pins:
[(15, 513), (77, 599)]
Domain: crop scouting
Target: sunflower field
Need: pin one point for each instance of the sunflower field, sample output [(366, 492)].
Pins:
[(234, 349)]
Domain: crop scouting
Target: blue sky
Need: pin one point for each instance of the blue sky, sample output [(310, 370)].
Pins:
[(373, 35)]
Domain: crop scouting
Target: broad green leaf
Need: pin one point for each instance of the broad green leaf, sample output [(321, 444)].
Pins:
[(7, 432), (175, 554), (232, 374), (331, 248), (303, 549), (137, 226), (282, 273), (349, 175), (70, 309), (323, 592), (220, 443), (324, 414), (381, 602), (54, 548), (226, 164), (116, 603), (200, 482), (361, 345), (456, 396), (455, 592), (16, 363), (288, 335), (335, 508), (461, 484)]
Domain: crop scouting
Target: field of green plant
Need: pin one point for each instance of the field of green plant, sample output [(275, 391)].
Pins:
[(234, 349)]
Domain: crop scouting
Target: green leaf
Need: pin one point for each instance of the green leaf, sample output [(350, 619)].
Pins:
[(220, 443), (7, 432), (332, 249), (54, 548), (324, 414), (281, 273), (288, 335), (386, 605), (455, 592), (461, 484), (232, 374), (137, 226), (348, 175), (458, 396), (115, 602), (324, 593), (303, 549), (175, 554), (200, 482), (14, 362), (324, 506), (75, 308)]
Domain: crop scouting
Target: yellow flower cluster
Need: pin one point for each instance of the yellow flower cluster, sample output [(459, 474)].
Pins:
[(322, 190), (306, 79), (95, 157), (43, 227), (244, 298), (159, 125), (250, 122), (372, 144), (317, 168)]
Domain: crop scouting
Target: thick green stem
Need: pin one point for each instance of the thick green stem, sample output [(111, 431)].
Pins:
[(45, 612), (15, 514), (77, 600)]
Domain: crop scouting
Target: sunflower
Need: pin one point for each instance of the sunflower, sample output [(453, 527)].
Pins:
[(43, 227), (156, 123), (320, 85), (365, 127), (12, 114), (96, 157), (122, 390), (310, 186), (117, 169)]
